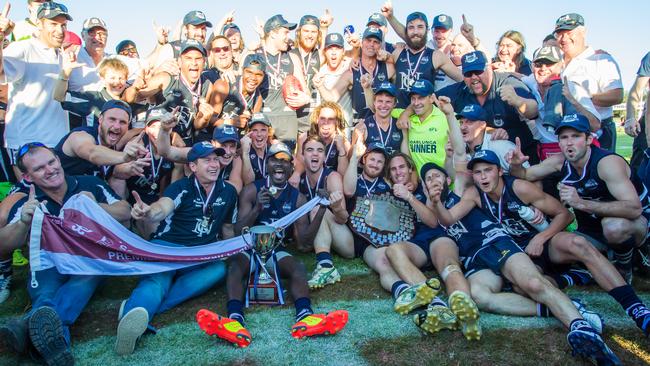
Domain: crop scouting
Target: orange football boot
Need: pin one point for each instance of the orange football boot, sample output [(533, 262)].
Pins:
[(225, 328), (320, 324)]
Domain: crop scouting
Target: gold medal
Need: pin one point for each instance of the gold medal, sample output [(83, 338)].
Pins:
[(154, 186), (273, 190), (366, 202)]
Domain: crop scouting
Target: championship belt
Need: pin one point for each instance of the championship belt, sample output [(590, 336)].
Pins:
[(382, 219)]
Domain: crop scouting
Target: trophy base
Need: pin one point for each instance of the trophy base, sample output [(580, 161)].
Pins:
[(267, 293)]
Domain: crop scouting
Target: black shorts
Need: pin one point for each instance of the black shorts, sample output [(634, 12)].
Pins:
[(491, 256), (360, 245)]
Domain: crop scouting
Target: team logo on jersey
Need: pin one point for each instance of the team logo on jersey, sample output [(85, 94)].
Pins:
[(515, 227), (381, 185), (177, 94), (202, 227), (591, 183), (457, 230), (286, 207), (219, 202), (498, 122), (285, 61), (396, 136), (513, 206), (381, 76), (424, 59)]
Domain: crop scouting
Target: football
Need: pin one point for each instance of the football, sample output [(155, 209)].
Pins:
[(291, 86)]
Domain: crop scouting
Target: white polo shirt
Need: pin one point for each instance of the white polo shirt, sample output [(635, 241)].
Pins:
[(31, 70), (597, 73), (86, 77)]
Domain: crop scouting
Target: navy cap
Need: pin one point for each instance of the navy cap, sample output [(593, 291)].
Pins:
[(309, 19), (473, 112), (386, 87), (255, 61), (442, 21), (334, 39), (155, 114), (578, 122), (484, 156), (228, 26), (203, 149), (196, 17), (417, 15), (569, 21), (376, 147), (422, 87), (280, 148), (94, 22), (258, 118), (50, 10), (191, 44), (377, 18), (116, 103), (473, 61), (430, 165), (276, 22), (225, 133), (122, 45), (373, 32)]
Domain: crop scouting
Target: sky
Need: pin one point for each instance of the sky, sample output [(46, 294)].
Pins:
[(621, 29)]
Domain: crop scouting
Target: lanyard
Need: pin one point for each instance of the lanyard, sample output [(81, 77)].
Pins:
[(372, 186), (500, 208), (381, 135), (274, 189), (276, 71), (329, 151), (584, 171), (194, 90), (412, 71), (320, 176), (204, 203), (261, 163), (154, 169)]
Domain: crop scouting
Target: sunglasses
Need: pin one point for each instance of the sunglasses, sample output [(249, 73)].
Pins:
[(220, 49), (28, 146), (126, 51), (540, 64), (469, 74)]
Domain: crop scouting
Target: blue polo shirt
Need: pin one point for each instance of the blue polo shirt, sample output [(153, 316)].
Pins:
[(184, 225)]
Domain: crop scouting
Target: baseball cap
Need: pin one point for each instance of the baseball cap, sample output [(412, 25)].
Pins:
[(259, 118), (430, 165), (191, 44), (71, 38), (422, 87), (116, 103), (309, 19), (50, 10), (276, 22), (125, 43), (417, 15), (578, 122), (386, 87), (334, 39), (203, 149), (196, 17), (473, 112), (373, 32), (549, 53), (569, 21), (155, 114), (376, 147), (228, 26), (253, 58), (281, 149), (94, 22), (377, 18), (442, 21), (225, 133), (473, 61), (485, 156)]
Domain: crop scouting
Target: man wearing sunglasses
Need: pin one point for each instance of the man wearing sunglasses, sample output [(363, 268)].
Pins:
[(508, 103), (57, 299), (95, 37)]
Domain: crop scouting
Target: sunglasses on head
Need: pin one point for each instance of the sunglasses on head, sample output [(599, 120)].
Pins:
[(28, 146), (221, 49), (469, 74)]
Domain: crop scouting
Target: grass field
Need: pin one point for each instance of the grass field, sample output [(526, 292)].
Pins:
[(375, 335)]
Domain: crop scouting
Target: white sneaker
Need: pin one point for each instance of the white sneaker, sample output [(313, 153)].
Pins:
[(5, 284), (131, 327)]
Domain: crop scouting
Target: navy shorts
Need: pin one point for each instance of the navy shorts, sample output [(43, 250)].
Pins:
[(423, 238), (491, 256)]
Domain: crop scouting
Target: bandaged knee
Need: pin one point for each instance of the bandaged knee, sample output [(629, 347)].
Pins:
[(449, 270)]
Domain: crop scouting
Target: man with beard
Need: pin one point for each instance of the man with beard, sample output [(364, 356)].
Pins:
[(381, 127), (332, 231), (254, 147), (597, 71), (505, 99), (195, 26), (22, 65), (91, 150), (189, 91), (235, 102), (371, 68), (417, 61), (57, 300), (604, 196), (279, 64), (335, 66), (261, 203), (195, 210)]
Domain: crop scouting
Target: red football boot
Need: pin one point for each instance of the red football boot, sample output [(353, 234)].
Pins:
[(320, 324), (224, 328)]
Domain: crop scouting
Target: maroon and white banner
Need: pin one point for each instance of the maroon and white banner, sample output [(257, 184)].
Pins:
[(85, 240)]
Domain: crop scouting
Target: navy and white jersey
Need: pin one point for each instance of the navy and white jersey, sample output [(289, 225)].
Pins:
[(421, 227), (198, 216), (82, 183), (310, 191), (279, 207), (506, 211), (474, 230), (154, 174), (331, 156), (224, 174), (258, 163), (76, 165), (178, 94), (409, 68), (591, 187), (88, 104), (367, 188), (391, 139), (236, 103), (379, 75), (278, 67)]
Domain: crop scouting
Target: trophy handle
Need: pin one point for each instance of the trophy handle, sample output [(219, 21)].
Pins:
[(245, 231)]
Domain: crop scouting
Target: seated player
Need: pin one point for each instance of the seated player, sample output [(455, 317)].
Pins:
[(261, 203)]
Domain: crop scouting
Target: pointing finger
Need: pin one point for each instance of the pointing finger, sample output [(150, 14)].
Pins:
[(32, 192), (5, 10), (138, 200), (464, 20)]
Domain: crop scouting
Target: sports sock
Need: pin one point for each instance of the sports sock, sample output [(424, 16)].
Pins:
[(397, 288), (632, 305), (573, 277), (543, 311), (624, 258), (324, 259), (438, 301), (580, 324), (303, 308), (5, 266), (236, 310)]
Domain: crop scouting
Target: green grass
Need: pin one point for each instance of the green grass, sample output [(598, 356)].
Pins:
[(624, 144)]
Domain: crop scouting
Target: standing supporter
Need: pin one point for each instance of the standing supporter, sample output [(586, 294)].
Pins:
[(635, 123)]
